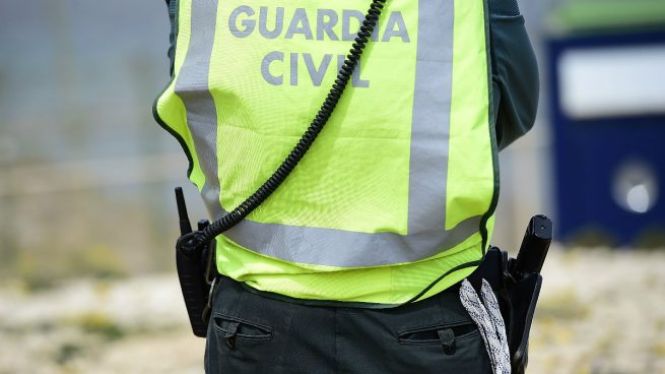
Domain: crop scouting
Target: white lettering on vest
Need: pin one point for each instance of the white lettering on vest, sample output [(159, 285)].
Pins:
[(275, 80), (316, 71), (243, 22)]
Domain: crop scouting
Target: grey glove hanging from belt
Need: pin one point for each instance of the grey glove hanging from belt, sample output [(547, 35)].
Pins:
[(509, 290), (486, 313)]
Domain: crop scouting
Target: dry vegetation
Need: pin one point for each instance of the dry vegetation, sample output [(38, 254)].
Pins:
[(600, 312)]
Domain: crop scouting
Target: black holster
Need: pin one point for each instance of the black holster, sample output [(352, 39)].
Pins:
[(517, 295)]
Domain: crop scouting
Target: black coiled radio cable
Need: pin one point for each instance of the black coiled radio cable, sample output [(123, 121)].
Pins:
[(189, 243)]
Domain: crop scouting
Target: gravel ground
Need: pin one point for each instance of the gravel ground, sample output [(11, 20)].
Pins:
[(600, 312)]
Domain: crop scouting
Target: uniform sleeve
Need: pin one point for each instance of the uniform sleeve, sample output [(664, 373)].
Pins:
[(170, 4), (515, 77)]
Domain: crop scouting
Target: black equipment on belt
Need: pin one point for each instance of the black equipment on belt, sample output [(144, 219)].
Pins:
[(517, 282), (195, 249)]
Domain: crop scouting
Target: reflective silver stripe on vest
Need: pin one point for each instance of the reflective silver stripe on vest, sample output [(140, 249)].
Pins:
[(427, 175), (430, 131), (192, 87), (311, 245)]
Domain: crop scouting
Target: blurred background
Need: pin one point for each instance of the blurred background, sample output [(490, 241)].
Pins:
[(87, 219)]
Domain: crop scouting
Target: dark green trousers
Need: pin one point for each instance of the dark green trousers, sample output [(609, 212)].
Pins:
[(250, 332)]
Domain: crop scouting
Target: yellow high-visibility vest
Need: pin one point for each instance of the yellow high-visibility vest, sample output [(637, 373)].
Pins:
[(401, 185)]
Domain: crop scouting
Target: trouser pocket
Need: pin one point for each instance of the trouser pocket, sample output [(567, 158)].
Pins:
[(443, 348), (241, 334), (239, 345), (234, 331), (444, 336)]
